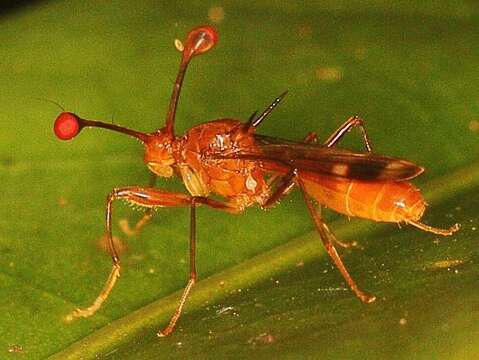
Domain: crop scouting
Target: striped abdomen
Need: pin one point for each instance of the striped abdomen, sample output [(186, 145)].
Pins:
[(379, 201)]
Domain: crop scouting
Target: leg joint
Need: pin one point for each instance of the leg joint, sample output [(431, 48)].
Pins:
[(115, 193)]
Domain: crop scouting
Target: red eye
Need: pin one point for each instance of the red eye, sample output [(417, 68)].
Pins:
[(67, 126), (201, 40)]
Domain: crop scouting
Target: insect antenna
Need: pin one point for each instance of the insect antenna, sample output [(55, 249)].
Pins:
[(199, 41), (68, 125), (252, 116), (254, 122), (51, 101)]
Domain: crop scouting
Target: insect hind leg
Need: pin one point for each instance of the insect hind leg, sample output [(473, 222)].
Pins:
[(328, 238), (345, 128)]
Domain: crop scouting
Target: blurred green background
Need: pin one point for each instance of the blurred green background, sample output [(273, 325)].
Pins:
[(409, 69)]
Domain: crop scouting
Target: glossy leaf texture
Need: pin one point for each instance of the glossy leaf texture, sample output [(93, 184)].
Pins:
[(267, 289)]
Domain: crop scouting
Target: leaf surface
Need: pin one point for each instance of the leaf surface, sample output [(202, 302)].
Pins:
[(409, 70)]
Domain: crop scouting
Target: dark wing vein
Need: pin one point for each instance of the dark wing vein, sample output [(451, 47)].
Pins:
[(327, 161)]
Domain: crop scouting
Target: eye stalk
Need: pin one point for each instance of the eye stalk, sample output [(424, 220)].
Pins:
[(199, 41), (68, 125)]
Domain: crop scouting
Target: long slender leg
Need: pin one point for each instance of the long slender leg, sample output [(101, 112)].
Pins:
[(283, 189), (193, 276), (151, 198), (114, 274), (343, 129), (327, 237), (343, 244), (356, 121), (146, 218), (287, 181)]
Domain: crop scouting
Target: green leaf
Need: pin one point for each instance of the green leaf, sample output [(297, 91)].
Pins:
[(409, 70), (295, 301)]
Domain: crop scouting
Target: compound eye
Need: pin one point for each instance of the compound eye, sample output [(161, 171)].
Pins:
[(200, 40), (67, 126)]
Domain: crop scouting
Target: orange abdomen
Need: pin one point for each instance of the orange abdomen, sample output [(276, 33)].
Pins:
[(379, 201)]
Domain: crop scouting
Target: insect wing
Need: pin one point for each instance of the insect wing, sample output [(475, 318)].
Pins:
[(328, 161)]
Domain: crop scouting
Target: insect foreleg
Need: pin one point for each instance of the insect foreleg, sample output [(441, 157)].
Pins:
[(152, 198), (124, 224), (328, 238), (115, 271), (343, 129)]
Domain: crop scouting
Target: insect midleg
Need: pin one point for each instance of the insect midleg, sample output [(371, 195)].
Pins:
[(193, 276), (287, 181), (343, 129), (328, 238), (283, 189)]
